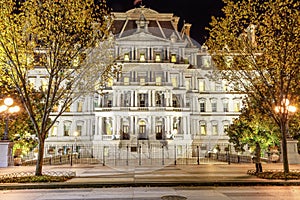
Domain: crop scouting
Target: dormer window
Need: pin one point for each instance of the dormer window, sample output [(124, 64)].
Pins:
[(157, 58), (126, 57), (173, 58), (142, 57)]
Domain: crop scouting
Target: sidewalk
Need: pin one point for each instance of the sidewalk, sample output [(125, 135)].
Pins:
[(89, 176)]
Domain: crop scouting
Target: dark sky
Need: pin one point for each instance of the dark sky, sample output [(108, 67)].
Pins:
[(196, 12)]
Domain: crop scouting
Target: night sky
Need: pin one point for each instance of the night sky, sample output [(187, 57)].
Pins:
[(196, 12)]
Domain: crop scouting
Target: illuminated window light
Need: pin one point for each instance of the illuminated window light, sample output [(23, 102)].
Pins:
[(142, 57), (126, 57), (173, 58)]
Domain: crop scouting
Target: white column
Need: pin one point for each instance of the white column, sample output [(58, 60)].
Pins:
[(149, 98), (114, 124), (135, 98), (100, 122), (132, 125), (153, 98), (132, 98)]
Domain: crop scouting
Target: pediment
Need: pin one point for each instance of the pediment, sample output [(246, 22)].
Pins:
[(143, 37)]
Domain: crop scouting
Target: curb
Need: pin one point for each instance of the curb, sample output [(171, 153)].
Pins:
[(145, 184)]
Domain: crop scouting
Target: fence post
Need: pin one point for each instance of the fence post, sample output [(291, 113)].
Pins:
[(198, 155), (175, 159), (186, 154), (163, 155), (127, 155), (140, 154), (71, 159), (103, 155)]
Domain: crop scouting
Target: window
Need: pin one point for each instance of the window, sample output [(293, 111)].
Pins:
[(142, 127), (67, 128), (44, 85), (142, 100), (203, 129), (142, 57), (157, 57), (79, 106), (202, 106), (201, 85), (173, 58), (125, 129), (187, 83), (174, 82), (110, 82), (126, 57), (214, 129), (142, 81), (79, 129), (225, 107), (158, 80), (214, 106), (126, 80), (225, 127), (68, 108), (54, 131), (237, 106)]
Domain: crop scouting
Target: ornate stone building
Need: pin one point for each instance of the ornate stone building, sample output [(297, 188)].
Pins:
[(167, 93)]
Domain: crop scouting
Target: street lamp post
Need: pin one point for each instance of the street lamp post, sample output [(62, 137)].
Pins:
[(8, 108), (284, 110), (5, 145)]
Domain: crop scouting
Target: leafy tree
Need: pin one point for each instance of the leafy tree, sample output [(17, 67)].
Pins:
[(255, 45), (253, 130), (53, 38)]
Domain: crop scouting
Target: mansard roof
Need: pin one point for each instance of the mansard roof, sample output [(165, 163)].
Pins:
[(163, 25)]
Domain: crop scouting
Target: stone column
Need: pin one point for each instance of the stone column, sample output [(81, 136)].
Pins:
[(6, 157)]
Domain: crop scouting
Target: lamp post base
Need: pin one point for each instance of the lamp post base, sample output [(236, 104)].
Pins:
[(6, 157), (292, 151)]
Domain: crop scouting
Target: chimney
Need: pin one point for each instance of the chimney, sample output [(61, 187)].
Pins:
[(186, 29), (175, 23)]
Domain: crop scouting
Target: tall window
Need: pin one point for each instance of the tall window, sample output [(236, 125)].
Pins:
[(203, 129), (79, 106), (187, 83), (237, 106), (157, 57), (225, 107), (202, 106), (174, 82), (214, 106), (142, 127), (126, 57), (214, 129), (225, 127), (201, 85), (173, 58), (142, 81), (54, 130), (79, 129), (158, 80), (142, 57), (67, 128), (126, 80)]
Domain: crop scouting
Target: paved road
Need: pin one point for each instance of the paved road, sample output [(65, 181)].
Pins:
[(158, 193)]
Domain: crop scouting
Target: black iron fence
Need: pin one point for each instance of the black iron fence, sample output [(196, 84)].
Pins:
[(140, 154)]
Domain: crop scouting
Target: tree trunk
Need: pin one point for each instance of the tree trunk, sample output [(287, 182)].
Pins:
[(284, 147), (39, 163)]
